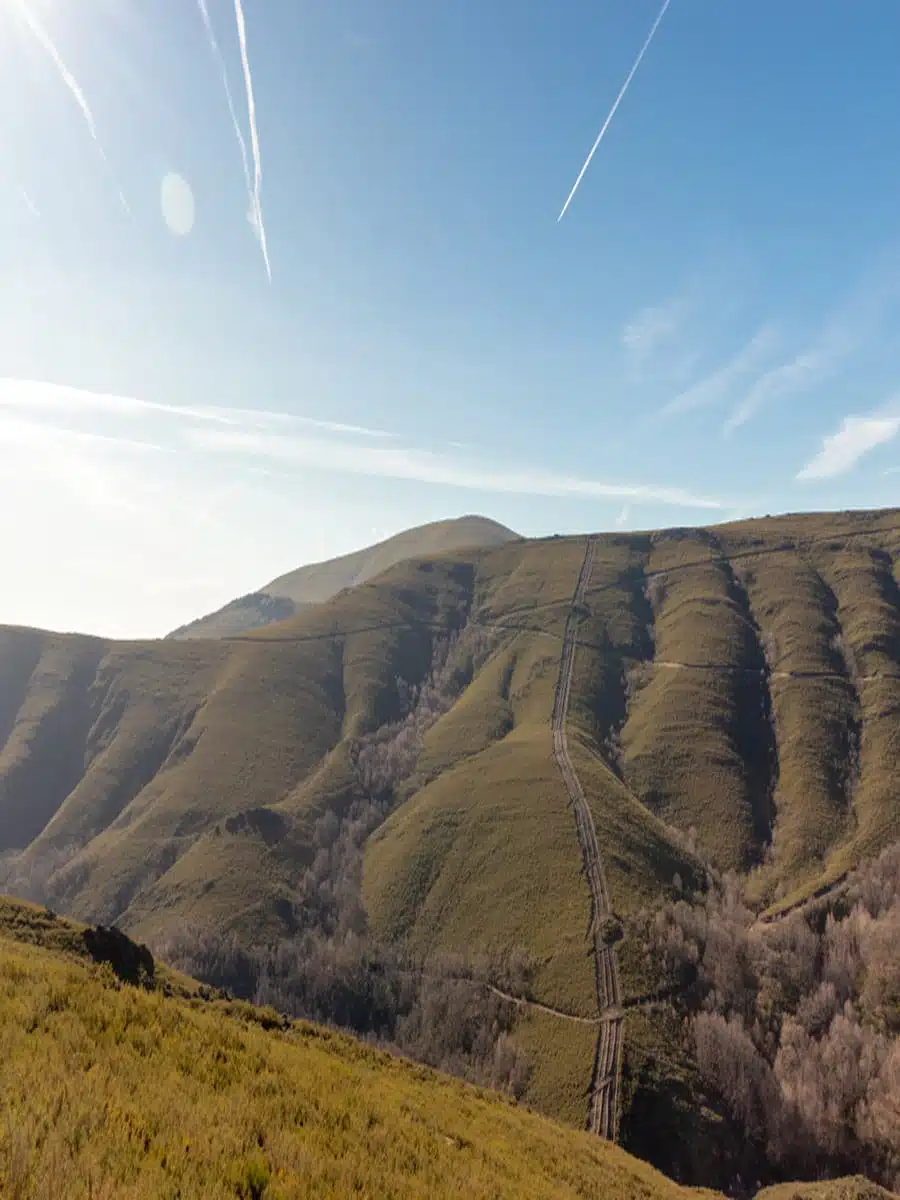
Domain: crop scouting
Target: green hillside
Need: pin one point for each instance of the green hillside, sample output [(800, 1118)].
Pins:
[(165, 1089), (318, 582), (383, 762)]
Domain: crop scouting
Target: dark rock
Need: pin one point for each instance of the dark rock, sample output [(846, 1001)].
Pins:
[(132, 963)]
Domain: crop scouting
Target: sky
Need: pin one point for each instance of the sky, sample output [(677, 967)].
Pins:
[(281, 279)]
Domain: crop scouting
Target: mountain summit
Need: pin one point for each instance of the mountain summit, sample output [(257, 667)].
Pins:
[(318, 582)]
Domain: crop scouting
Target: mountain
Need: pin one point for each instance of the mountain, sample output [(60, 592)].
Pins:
[(505, 762), (318, 582), (157, 1086)]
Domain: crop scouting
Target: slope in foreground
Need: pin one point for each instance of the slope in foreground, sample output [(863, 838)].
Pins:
[(109, 1090), (164, 1090)]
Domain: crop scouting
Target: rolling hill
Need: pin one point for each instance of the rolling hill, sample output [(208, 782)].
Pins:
[(163, 1088), (385, 760), (318, 582)]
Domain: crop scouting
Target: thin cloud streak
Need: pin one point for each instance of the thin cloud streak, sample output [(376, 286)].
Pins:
[(44, 40), (256, 200), (612, 113), (856, 325), (32, 394), (436, 468), (220, 61), (841, 451), (800, 374), (716, 387), (49, 47)]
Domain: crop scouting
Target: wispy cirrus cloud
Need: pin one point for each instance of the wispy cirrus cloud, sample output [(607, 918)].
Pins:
[(219, 498), (855, 325), (258, 439), (668, 341), (804, 371), (717, 386), (843, 449), (33, 395), (425, 466)]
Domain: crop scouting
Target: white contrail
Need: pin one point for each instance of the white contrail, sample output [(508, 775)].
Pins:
[(612, 112), (217, 55), (48, 46), (256, 217), (45, 41)]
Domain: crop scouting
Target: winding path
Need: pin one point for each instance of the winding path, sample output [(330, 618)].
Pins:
[(730, 669), (602, 1117)]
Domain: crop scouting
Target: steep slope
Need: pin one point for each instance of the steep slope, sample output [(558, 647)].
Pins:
[(188, 763), (141, 1091), (318, 582)]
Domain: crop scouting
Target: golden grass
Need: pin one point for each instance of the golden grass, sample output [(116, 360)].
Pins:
[(107, 1090), (840, 1189)]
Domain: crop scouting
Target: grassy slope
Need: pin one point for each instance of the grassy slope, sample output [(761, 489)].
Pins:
[(692, 735), (141, 756), (318, 582), (110, 1090), (161, 748), (485, 855), (456, 865)]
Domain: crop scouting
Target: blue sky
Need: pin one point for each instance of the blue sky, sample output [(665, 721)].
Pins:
[(710, 332)]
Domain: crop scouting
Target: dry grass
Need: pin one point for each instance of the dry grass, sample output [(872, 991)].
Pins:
[(841, 1189), (107, 1090)]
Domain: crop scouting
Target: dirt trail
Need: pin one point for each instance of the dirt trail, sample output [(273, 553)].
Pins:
[(729, 669), (602, 1117), (524, 1002)]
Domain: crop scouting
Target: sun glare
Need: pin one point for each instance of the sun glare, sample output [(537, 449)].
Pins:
[(177, 202)]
